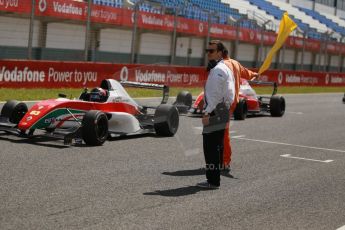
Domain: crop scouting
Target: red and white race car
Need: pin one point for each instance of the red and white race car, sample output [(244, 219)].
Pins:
[(95, 115), (249, 102)]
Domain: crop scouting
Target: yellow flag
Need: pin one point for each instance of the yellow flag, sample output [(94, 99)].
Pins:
[(285, 28)]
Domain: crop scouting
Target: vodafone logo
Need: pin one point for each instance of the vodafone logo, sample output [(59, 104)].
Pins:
[(42, 5), (132, 17), (124, 74), (292, 42), (251, 35), (201, 27), (280, 78), (327, 79)]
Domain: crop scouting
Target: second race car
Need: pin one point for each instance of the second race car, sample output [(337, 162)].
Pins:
[(249, 102)]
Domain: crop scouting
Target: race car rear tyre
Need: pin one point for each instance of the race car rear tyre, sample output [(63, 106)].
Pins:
[(166, 120), (277, 106), (94, 127), (14, 111), (241, 110)]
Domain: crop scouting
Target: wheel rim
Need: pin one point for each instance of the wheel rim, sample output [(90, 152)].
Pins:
[(245, 111), (174, 122), (282, 107), (102, 127)]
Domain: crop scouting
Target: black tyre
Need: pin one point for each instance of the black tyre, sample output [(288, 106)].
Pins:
[(184, 101), (184, 98), (166, 120), (94, 127), (277, 106), (14, 111), (241, 110), (344, 99)]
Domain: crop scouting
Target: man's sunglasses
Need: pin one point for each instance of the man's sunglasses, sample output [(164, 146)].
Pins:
[(211, 51)]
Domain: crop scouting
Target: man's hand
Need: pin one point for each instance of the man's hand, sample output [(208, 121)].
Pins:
[(256, 76), (205, 120)]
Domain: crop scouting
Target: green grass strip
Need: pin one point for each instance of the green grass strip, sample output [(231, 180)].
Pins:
[(41, 94)]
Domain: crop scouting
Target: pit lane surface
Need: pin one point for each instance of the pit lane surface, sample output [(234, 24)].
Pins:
[(279, 177)]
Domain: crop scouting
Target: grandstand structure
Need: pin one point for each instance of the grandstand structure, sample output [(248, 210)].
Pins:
[(173, 31)]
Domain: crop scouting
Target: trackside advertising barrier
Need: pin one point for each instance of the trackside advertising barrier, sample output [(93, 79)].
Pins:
[(50, 74), (304, 78), (54, 74)]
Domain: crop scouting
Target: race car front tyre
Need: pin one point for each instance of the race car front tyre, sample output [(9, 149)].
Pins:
[(14, 111), (166, 120), (277, 106), (94, 127), (241, 110), (344, 99)]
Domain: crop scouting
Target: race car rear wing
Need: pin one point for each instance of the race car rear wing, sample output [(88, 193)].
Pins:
[(269, 83), (164, 88)]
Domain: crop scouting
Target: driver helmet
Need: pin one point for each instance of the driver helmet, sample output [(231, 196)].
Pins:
[(98, 94)]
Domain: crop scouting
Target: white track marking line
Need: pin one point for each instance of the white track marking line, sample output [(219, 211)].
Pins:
[(307, 159), (3, 102), (299, 113), (240, 136), (287, 144), (341, 228)]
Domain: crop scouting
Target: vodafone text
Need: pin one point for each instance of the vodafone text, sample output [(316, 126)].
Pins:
[(21, 75), (67, 8), (166, 77), (25, 74)]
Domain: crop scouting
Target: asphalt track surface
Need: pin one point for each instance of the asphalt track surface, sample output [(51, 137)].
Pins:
[(287, 173)]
